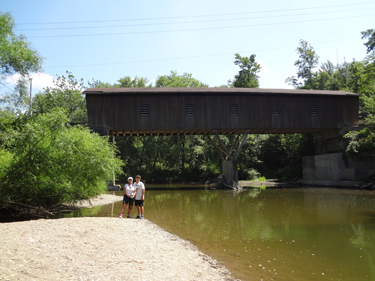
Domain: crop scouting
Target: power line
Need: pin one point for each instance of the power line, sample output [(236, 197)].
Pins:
[(184, 22), (192, 57), (6, 86), (196, 16), (194, 29)]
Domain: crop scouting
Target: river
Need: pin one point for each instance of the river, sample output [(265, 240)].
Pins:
[(271, 234)]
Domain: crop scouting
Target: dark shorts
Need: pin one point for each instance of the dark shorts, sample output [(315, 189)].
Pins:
[(128, 200), (139, 203)]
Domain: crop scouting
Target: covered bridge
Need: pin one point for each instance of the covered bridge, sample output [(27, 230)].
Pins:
[(199, 111), (218, 111)]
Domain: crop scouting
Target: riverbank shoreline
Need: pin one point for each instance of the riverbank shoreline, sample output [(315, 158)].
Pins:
[(100, 249)]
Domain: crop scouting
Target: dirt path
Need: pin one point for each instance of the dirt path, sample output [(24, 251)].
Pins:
[(100, 249)]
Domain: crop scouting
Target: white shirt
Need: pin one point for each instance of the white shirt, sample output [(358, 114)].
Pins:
[(140, 186), (130, 189)]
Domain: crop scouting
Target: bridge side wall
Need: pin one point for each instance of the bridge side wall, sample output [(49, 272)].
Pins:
[(228, 113)]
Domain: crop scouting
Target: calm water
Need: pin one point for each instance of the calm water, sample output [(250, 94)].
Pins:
[(274, 234)]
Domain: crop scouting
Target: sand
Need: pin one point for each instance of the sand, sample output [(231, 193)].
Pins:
[(100, 249)]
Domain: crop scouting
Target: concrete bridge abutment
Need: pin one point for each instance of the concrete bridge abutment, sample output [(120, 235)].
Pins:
[(331, 166)]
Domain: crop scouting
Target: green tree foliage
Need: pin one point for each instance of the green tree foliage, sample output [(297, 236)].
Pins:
[(307, 61), (19, 99), (65, 94), (281, 155), (247, 77), (17, 55), (172, 158), (175, 80), (128, 82), (99, 84), (362, 143), (370, 35), (45, 161), (124, 82), (355, 76)]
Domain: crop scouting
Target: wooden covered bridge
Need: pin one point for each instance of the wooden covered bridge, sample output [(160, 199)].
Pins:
[(218, 111)]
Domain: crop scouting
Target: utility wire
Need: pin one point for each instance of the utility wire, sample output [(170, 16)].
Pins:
[(192, 57), (194, 29), (184, 22), (6, 86), (196, 16)]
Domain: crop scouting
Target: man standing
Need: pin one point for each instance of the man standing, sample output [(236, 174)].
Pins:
[(139, 196)]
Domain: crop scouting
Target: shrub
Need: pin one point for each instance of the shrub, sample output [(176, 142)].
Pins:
[(46, 162)]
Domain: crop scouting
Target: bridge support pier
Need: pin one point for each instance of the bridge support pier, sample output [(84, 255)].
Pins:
[(230, 173), (112, 186), (229, 177)]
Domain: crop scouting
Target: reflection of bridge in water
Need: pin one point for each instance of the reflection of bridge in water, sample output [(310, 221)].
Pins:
[(219, 111)]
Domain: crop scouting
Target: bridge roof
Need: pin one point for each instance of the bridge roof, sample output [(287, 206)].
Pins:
[(214, 91)]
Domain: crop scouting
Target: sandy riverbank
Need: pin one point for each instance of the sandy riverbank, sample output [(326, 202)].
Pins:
[(101, 199), (100, 249)]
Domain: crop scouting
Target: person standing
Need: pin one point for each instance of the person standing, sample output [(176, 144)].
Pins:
[(139, 196), (129, 193)]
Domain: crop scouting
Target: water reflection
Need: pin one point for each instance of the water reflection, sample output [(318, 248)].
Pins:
[(275, 234)]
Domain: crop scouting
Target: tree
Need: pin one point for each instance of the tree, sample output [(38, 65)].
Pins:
[(99, 84), (17, 55), (247, 77), (370, 44), (19, 99), (66, 94), (307, 61), (362, 143), (46, 162), (175, 80), (127, 82), (124, 82)]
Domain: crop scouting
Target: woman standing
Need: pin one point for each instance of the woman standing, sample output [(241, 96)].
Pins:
[(129, 193)]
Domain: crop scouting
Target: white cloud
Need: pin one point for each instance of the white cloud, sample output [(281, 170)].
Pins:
[(40, 80)]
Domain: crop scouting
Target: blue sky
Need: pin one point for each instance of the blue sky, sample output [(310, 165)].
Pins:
[(106, 40)]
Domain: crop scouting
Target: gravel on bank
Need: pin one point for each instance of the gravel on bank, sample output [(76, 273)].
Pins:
[(100, 249), (101, 199)]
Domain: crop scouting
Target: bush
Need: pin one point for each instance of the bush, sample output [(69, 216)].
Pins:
[(250, 174), (46, 162)]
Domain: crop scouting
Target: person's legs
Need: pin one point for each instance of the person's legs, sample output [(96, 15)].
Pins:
[(130, 209), (123, 209), (142, 210), (138, 205)]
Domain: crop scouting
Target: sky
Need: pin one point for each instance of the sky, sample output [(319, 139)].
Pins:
[(107, 40)]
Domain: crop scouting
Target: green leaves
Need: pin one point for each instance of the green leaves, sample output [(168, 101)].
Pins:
[(307, 61), (247, 77), (16, 54), (370, 44), (175, 80), (46, 162), (128, 82), (65, 94)]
